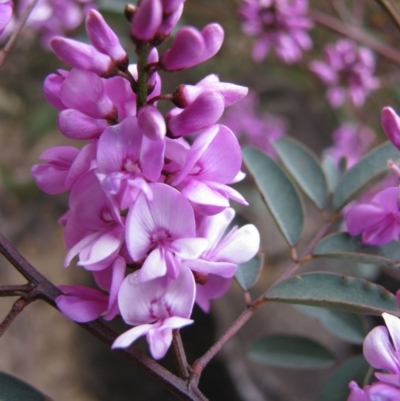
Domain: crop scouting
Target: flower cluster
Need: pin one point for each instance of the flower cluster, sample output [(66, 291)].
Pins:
[(252, 128), (378, 220), (382, 351), (49, 17), (148, 210), (281, 24), (348, 72)]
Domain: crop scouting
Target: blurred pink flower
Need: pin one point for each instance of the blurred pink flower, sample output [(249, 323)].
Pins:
[(281, 24), (351, 142), (348, 72)]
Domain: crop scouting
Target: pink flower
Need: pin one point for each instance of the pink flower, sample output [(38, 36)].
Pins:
[(375, 392), (391, 125), (155, 307), (282, 24), (379, 220), (6, 11), (162, 232), (351, 142), (382, 350), (213, 161), (55, 17), (94, 228), (348, 71)]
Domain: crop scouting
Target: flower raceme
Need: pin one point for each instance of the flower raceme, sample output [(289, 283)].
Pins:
[(148, 210)]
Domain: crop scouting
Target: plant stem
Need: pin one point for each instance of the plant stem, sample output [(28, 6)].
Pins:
[(180, 355), (305, 255), (391, 11), (357, 34), (141, 91), (13, 38), (202, 362), (18, 306)]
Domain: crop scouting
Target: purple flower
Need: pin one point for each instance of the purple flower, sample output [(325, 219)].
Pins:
[(347, 71), (6, 11), (382, 351), (351, 142), (375, 392), (55, 17), (391, 125), (155, 307), (162, 232), (379, 220), (281, 24)]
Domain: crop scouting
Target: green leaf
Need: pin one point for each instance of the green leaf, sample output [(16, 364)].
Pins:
[(365, 173), (278, 192), (347, 326), (304, 167), (334, 291), (337, 387), (332, 174), (247, 273), (344, 246), (14, 389), (287, 351)]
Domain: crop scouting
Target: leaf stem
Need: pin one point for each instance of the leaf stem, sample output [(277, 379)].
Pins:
[(18, 306)]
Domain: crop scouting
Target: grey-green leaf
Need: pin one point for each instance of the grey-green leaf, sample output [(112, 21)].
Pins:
[(278, 192), (347, 326), (337, 387), (334, 291), (344, 246), (14, 389), (304, 167), (287, 351), (247, 273), (364, 174)]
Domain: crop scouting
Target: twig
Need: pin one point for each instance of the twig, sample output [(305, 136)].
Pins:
[(202, 362), (391, 11), (180, 355), (357, 34), (18, 306), (13, 38)]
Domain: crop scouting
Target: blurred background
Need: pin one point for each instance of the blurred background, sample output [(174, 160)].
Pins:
[(57, 356)]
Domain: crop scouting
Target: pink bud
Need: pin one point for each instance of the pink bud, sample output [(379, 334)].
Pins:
[(82, 56), (151, 122), (84, 91), (192, 47), (391, 125), (170, 6), (202, 113), (104, 39), (52, 88), (147, 20), (76, 125)]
